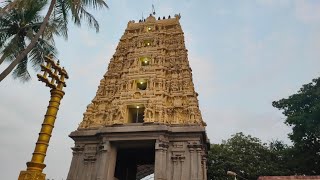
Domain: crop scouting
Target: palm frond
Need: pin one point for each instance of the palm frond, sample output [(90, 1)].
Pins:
[(41, 49), (73, 7), (79, 11), (12, 48), (5, 21), (62, 28), (95, 4), (4, 36), (21, 71), (32, 13), (92, 22), (60, 19), (38, 53)]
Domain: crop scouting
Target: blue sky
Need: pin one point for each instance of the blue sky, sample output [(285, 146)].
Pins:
[(244, 55)]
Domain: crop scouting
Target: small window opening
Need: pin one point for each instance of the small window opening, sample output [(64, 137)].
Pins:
[(147, 43), (142, 84), (149, 28), (136, 114), (145, 61)]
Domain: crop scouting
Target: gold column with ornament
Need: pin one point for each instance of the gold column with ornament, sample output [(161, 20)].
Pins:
[(54, 77)]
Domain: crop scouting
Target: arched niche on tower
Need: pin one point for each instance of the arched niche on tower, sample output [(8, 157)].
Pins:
[(136, 113), (149, 28), (145, 60), (147, 43), (141, 84)]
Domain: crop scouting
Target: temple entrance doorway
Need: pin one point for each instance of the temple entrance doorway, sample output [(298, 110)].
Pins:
[(135, 160)]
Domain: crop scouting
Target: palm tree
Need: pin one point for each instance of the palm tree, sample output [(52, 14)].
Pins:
[(59, 11), (17, 28)]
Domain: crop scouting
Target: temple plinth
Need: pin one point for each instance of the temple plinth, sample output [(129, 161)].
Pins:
[(145, 117)]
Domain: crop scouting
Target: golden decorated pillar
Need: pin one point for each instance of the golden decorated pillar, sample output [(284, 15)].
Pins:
[(56, 83)]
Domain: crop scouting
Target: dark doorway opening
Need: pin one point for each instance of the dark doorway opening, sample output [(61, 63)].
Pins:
[(134, 163)]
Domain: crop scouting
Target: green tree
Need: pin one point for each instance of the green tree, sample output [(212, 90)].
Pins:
[(303, 115), (59, 11), (247, 156)]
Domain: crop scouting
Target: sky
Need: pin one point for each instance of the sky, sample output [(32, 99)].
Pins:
[(243, 54)]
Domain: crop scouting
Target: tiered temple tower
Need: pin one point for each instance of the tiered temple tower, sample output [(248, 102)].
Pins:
[(145, 117)]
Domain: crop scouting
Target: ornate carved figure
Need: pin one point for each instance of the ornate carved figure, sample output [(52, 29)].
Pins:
[(192, 116), (122, 112), (148, 113)]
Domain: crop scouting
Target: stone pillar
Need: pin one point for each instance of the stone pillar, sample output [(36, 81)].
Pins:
[(91, 166), (164, 152), (104, 151), (75, 163), (178, 158), (112, 154), (199, 162), (185, 167), (193, 172), (160, 160), (88, 163), (204, 166), (180, 166), (196, 162), (175, 170)]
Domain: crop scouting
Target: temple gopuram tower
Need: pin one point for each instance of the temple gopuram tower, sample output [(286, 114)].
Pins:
[(145, 117)]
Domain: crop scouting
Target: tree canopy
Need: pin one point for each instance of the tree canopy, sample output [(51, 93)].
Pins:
[(302, 111), (247, 156)]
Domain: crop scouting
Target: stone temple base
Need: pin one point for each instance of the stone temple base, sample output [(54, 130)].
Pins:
[(133, 151)]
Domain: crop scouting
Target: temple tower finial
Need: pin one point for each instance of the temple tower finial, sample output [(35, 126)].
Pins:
[(153, 10)]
